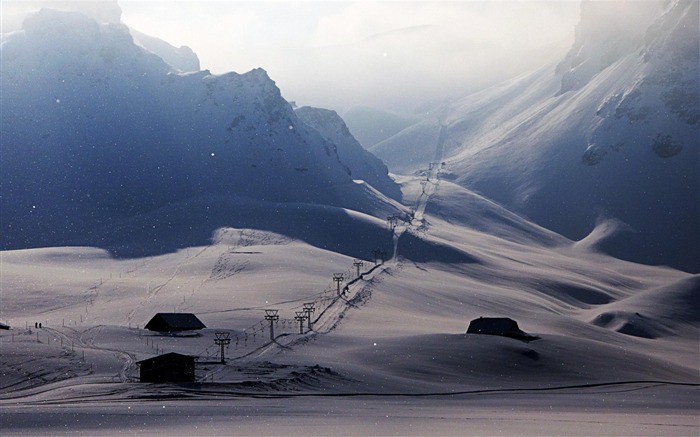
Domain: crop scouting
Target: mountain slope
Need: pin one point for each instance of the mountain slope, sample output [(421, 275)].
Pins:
[(98, 133), (183, 58), (362, 164), (611, 132), (371, 126)]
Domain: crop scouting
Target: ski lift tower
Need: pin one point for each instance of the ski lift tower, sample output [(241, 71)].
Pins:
[(308, 309), (222, 339), (393, 221), (272, 316), (300, 317), (378, 255), (338, 278), (358, 263)]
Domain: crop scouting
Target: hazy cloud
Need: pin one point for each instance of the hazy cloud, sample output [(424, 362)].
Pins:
[(390, 54)]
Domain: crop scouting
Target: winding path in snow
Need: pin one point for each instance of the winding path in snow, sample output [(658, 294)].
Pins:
[(80, 341), (333, 313), (429, 187)]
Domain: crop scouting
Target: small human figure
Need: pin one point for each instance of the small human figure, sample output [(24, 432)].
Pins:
[(39, 324), (36, 325)]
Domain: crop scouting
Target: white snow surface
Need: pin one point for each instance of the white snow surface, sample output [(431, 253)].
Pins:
[(616, 354)]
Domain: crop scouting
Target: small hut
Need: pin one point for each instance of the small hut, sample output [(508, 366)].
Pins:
[(172, 322), (171, 367), (502, 326)]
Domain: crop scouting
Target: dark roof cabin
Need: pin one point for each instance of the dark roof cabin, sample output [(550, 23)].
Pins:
[(169, 322), (171, 367), (502, 326)]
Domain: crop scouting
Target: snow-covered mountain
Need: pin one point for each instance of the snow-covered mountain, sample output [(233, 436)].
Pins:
[(182, 58), (610, 132), (362, 164), (98, 134)]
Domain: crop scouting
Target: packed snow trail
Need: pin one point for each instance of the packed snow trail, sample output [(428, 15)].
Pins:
[(429, 187), (330, 309), (326, 321), (79, 341), (333, 313)]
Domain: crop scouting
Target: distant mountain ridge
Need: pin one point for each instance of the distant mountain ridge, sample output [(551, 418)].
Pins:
[(181, 58), (96, 131), (363, 165), (611, 131)]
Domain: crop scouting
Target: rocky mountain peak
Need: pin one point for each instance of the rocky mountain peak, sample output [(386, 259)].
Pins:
[(362, 164), (101, 133)]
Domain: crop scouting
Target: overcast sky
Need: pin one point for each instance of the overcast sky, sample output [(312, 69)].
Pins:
[(389, 54)]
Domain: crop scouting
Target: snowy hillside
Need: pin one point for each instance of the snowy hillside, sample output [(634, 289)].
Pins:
[(98, 134), (606, 332), (610, 132)]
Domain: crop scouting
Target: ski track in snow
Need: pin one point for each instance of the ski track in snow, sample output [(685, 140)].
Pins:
[(333, 314), (152, 292), (331, 308)]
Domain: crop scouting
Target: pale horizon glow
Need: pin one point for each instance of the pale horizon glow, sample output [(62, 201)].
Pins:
[(393, 55)]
